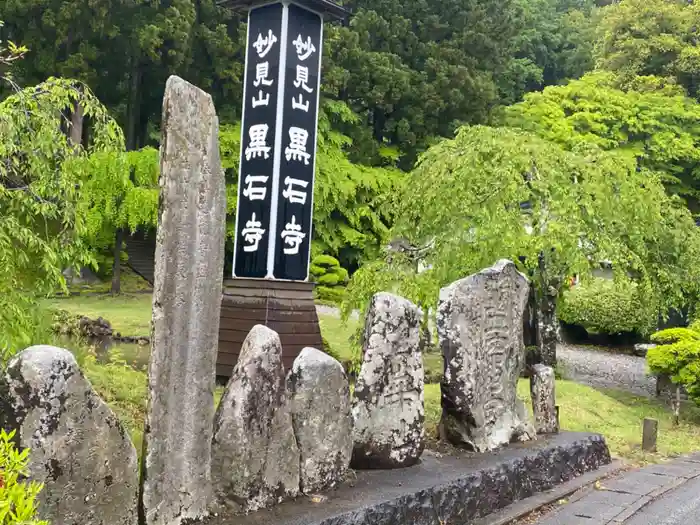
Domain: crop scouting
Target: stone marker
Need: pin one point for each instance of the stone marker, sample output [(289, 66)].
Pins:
[(650, 432), (388, 403), (186, 306), (79, 449), (322, 419), (255, 459), (542, 392), (480, 328)]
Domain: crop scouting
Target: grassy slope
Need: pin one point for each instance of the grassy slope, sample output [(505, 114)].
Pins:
[(616, 415)]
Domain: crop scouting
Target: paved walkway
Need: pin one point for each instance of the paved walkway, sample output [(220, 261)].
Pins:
[(624, 499)]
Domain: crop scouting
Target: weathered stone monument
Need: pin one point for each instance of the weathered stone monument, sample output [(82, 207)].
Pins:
[(322, 419), (79, 449), (542, 391), (388, 402), (255, 455), (480, 328), (176, 482)]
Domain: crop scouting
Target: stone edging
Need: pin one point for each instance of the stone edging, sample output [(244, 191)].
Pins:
[(445, 489), (571, 491)]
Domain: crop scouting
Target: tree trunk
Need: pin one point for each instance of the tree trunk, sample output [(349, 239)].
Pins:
[(547, 292), (133, 105), (547, 329), (677, 406), (530, 320), (116, 266), (76, 128)]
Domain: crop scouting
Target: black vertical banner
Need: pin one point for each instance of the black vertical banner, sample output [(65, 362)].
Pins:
[(298, 159), (259, 125)]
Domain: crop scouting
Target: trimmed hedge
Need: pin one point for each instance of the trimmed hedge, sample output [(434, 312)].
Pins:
[(608, 307)]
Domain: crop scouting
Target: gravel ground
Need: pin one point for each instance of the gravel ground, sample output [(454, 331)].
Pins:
[(599, 368)]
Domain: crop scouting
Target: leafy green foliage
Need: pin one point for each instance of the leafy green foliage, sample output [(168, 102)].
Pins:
[(121, 192), (123, 388), (655, 125), (678, 356), (651, 37), (410, 71), (495, 193), (126, 50), (44, 216), (608, 307), (555, 43), (351, 216), (17, 497)]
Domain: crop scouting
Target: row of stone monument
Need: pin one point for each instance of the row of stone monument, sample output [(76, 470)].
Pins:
[(276, 436)]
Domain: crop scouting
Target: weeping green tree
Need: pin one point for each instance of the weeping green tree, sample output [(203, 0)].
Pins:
[(42, 178), (122, 196), (493, 193)]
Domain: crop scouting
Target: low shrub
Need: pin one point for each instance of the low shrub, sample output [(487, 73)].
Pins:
[(17, 496), (330, 277), (607, 306), (678, 357)]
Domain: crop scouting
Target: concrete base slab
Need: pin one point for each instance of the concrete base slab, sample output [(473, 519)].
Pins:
[(452, 490)]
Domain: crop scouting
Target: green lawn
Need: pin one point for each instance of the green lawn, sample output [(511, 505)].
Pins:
[(338, 335), (617, 415), (130, 315)]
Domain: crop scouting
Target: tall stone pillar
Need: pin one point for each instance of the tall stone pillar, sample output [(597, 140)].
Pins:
[(176, 482)]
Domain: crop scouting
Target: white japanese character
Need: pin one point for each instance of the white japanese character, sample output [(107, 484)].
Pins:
[(303, 79), (262, 100), (293, 237), (295, 196), (263, 45), (262, 70), (255, 193), (253, 234), (298, 137), (300, 104), (258, 142), (304, 49)]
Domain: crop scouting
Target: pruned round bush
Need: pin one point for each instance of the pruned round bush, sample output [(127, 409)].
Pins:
[(678, 357), (608, 306), (331, 278), (332, 295), (342, 274), (326, 261), (316, 270)]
